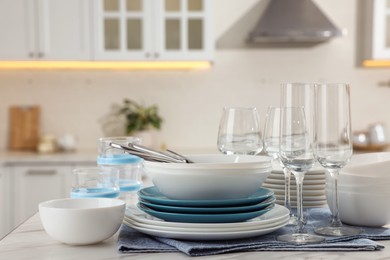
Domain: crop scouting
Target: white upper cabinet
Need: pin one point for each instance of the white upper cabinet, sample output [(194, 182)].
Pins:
[(153, 30), (45, 30), (380, 45)]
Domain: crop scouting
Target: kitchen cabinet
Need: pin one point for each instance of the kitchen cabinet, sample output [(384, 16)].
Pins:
[(45, 30), (153, 30), (34, 184), (4, 205), (379, 20), (24, 184)]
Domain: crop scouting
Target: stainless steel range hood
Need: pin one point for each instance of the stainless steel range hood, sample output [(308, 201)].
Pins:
[(293, 21)]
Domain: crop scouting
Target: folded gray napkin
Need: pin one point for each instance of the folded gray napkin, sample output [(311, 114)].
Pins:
[(132, 241)]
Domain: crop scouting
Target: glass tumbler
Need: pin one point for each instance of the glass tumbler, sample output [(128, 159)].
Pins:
[(129, 166), (95, 182)]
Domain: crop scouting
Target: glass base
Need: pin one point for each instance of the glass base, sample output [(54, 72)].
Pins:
[(338, 231), (293, 221), (300, 239)]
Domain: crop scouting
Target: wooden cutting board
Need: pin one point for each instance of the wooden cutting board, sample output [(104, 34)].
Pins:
[(24, 127)]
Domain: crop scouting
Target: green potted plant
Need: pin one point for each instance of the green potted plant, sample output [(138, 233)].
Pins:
[(140, 118)]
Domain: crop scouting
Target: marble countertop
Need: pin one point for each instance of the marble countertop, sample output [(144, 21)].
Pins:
[(30, 241)]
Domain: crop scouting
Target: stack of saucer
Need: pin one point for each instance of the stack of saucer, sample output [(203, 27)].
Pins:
[(159, 215), (314, 184)]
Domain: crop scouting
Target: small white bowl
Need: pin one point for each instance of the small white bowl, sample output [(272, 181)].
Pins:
[(82, 221), (370, 209), (211, 176)]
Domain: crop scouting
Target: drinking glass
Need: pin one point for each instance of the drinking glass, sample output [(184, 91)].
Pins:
[(129, 166), (271, 141), (297, 155), (333, 143), (95, 182), (299, 94), (239, 131)]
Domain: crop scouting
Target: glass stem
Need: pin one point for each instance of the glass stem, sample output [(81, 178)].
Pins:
[(336, 222), (287, 176), (299, 181)]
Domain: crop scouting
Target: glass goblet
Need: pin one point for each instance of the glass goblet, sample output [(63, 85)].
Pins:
[(333, 144), (297, 155), (239, 131), (271, 147)]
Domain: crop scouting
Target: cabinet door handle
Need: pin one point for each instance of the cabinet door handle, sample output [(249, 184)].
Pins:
[(40, 54), (147, 55), (156, 55), (31, 54), (41, 172)]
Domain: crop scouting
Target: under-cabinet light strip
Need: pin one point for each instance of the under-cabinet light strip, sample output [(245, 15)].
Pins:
[(376, 63), (114, 65)]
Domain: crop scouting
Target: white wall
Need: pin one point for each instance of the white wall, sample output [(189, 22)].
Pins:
[(191, 101)]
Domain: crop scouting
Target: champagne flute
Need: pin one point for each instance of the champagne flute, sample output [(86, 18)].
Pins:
[(297, 155), (333, 144), (299, 94), (271, 147), (239, 131)]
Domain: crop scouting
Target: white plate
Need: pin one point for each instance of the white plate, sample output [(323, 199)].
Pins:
[(132, 223), (293, 186), (308, 176), (306, 204), (277, 213), (305, 192), (315, 169), (305, 198), (208, 235), (305, 181)]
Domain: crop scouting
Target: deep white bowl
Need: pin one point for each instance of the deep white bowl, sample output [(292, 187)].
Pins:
[(356, 182), (82, 221), (362, 208), (211, 176), (368, 158)]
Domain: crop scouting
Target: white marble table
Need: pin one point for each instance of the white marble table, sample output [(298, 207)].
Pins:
[(30, 241)]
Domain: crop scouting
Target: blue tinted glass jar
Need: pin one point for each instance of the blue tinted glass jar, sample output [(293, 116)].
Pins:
[(129, 166)]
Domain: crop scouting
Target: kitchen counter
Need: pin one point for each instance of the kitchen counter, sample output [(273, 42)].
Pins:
[(30, 241), (20, 157)]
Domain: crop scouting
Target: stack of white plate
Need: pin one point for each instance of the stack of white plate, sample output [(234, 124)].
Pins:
[(314, 187), (211, 219)]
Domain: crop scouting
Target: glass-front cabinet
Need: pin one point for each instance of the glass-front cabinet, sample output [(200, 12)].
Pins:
[(380, 46), (153, 30)]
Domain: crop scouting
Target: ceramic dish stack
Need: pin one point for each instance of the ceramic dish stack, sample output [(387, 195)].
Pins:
[(210, 219), (215, 197), (314, 183), (363, 190)]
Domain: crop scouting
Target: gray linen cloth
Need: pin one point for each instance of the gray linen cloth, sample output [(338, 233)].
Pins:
[(132, 241)]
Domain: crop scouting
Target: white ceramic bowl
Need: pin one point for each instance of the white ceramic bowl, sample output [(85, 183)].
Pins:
[(82, 221), (368, 158), (362, 208), (351, 181), (211, 176)]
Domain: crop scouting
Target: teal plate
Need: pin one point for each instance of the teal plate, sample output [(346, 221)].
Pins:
[(204, 218), (209, 210), (153, 195)]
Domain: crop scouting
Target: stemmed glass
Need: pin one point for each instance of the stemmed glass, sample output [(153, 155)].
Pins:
[(271, 141), (239, 131), (297, 155), (333, 144)]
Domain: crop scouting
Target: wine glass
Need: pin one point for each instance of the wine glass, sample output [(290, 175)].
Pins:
[(300, 94), (297, 155), (333, 144), (239, 131), (271, 147)]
